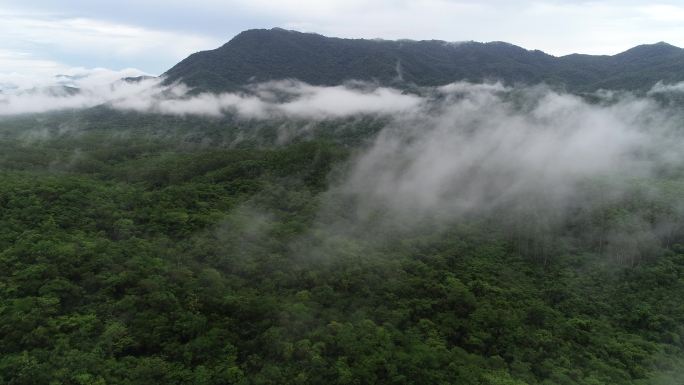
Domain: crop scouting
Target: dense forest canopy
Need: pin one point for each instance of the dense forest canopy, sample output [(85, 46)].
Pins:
[(482, 235)]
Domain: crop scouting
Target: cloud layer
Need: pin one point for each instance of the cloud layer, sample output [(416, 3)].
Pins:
[(291, 99)]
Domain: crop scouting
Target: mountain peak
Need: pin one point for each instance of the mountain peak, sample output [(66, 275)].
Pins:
[(649, 50)]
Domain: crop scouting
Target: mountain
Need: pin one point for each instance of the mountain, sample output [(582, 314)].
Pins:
[(260, 55)]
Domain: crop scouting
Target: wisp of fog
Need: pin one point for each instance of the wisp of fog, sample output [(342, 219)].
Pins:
[(486, 146), (277, 99)]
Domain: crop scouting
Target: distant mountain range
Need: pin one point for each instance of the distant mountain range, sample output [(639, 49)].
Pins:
[(260, 55)]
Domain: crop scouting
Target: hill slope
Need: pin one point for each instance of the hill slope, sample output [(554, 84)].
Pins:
[(262, 55)]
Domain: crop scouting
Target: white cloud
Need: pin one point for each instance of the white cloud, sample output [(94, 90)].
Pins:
[(46, 74), (36, 94), (49, 38), (303, 101), (267, 100), (22, 70), (86, 35), (663, 88)]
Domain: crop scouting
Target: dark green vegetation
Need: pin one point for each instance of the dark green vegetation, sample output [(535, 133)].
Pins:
[(260, 55), (147, 255)]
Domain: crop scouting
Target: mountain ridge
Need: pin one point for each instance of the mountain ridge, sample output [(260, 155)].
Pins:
[(259, 55)]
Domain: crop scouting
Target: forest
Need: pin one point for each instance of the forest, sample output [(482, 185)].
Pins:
[(141, 248)]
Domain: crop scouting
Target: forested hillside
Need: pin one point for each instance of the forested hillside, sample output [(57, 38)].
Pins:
[(148, 249), (259, 55)]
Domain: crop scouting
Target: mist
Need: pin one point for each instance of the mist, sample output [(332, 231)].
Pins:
[(482, 146), (480, 188), (130, 90), (537, 166), (446, 153)]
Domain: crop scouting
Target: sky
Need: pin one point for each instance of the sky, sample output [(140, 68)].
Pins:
[(44, 37)]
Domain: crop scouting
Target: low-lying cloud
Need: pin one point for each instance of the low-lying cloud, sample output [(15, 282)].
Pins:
[(544, 170), (124, 90), (547, 171), (485, 146)]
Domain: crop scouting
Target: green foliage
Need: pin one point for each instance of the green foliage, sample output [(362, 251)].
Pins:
[(137, 261)]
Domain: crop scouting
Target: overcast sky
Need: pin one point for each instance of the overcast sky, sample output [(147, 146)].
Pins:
[(47, 36)]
